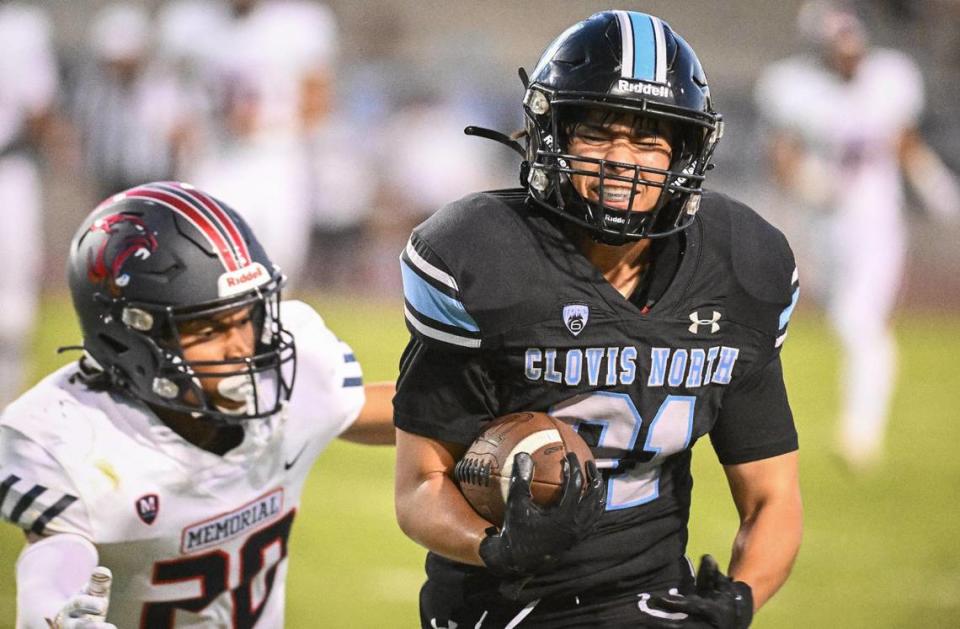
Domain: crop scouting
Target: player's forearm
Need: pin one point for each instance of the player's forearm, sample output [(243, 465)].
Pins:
[(49, 571), (435, 514), (766, 547), (931, 179), (374, 425)]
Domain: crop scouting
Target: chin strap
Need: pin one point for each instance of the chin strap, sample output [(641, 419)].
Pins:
[(496, 136), (507, 141)]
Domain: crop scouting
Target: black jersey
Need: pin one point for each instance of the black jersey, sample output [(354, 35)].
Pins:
[(507, 315)]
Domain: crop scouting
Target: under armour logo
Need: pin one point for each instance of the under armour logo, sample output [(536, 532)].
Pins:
[(644, 606), (697, 322)]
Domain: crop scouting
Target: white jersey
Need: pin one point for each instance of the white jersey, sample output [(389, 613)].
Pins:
[(193, 539), (28, 88), (852, 127)]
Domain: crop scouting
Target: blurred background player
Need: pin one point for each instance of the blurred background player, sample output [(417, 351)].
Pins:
[(26, 48), (272, 70), (612, 291), (176, 448), (131, 116), (843, 130)]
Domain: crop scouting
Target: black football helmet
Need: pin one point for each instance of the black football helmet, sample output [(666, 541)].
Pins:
[(621, 62), (154, 256)]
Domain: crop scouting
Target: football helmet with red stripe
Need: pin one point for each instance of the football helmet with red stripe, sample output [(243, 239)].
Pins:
[(150, 260)]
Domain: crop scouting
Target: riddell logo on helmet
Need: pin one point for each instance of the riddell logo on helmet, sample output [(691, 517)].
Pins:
[(647, 89), (242, 280), (246, 277)]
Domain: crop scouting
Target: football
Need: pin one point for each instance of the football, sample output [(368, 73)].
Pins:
[(483, 473)]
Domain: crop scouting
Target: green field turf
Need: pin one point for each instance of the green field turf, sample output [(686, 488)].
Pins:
[(879, 551)]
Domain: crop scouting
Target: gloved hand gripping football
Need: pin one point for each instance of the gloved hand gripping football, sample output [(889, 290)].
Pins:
[(532, 537)]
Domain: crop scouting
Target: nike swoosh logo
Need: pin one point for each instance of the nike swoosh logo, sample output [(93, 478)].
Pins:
[(288, 464)]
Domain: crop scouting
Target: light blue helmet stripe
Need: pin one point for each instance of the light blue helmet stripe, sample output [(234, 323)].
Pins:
[(432, 303), (644, 46), (643, 52)]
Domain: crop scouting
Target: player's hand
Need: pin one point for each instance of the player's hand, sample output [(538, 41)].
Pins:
[(718, 600), (88, 608), (532, 537)]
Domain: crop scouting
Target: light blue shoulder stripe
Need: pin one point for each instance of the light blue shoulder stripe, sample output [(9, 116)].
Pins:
[(788, 311), (432, 303)]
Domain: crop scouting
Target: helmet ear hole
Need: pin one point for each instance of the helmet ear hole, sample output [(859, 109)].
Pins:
[(112, 343)]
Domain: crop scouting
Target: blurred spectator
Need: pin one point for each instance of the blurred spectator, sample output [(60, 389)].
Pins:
[(273, 66), (28, 88), (425, 161), (188, 34), (341, 186), (843, 128), (130, 114)]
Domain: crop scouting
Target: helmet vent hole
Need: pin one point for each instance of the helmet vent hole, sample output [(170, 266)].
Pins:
[(112, 343), (572, 62)]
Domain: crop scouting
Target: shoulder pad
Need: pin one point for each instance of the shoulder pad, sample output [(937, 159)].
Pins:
[(323, 359), (460, 257), (50, 411), (35, 490), (765, 284)]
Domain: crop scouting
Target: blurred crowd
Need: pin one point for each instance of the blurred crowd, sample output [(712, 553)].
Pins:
[(332, 152), (243, 98), (239, 97)]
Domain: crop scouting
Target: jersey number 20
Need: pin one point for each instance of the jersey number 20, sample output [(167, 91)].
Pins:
[(620, 422), (211, 569)]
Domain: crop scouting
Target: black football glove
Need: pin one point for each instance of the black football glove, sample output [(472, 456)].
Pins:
[(532, 537), (718, 600)]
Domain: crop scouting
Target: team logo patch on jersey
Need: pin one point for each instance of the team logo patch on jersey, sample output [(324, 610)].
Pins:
[(226, 526), (698, 322), (575, 317), (147, 507)]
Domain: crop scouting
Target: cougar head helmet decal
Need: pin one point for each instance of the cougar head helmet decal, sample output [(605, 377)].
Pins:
[(125, 236), (154, 257)]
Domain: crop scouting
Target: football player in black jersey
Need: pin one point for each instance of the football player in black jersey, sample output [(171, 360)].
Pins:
[(613, 292)]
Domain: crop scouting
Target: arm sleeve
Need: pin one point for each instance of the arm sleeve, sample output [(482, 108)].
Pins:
[(755, 421), (49, 572), (442, 394), (36, 492), (328, 373), (432, 301)]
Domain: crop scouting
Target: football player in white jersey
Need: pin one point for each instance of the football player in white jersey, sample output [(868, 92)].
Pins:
[(844, 128), (174, 452), (28, 91)]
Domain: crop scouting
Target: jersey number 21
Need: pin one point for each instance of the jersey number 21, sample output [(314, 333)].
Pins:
[(620, 422)]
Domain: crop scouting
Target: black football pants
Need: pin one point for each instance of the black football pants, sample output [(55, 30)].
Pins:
[(441, 609)]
